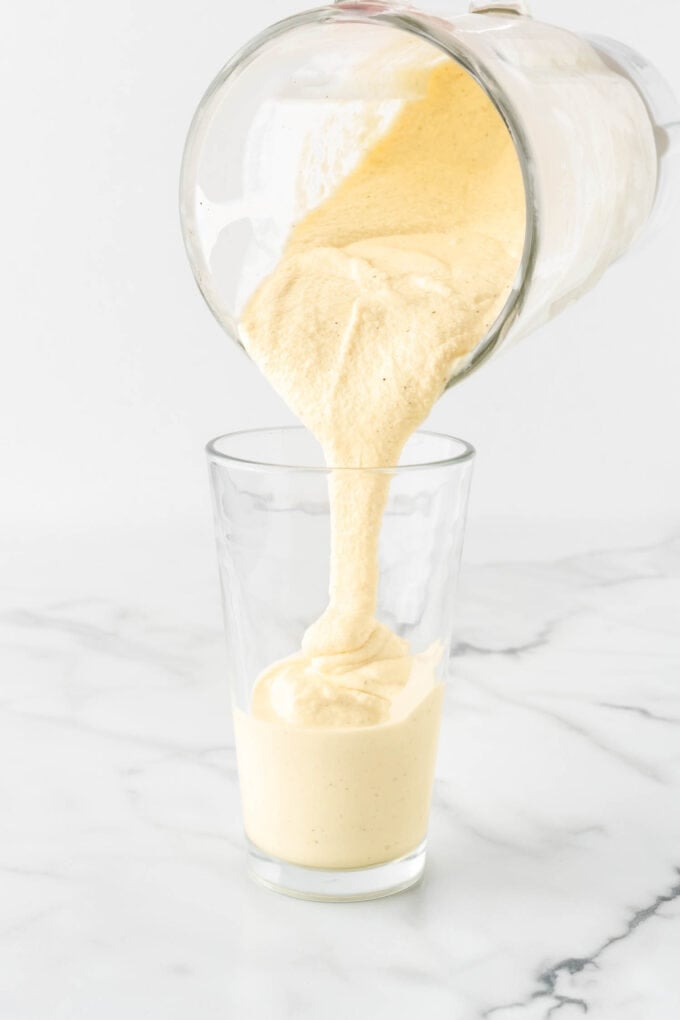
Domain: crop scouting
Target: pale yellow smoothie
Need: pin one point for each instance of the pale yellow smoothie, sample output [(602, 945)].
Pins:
[(340, 796), (380, 294)]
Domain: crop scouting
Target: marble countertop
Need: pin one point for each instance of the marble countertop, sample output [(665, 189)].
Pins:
[(553, 884)]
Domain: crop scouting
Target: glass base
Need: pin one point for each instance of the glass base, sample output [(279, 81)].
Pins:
[(336, 884)]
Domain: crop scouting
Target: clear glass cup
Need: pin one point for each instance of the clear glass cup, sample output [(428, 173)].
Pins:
[(334, 813)]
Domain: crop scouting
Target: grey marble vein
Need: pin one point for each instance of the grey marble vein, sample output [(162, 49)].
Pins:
[(197, 755), (549, 979), (630, 761), (102, 640), (462, 648), (646, 713)]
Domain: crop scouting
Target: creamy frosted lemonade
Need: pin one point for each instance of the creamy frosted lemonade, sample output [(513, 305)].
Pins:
[(340, 796), (381, 292)]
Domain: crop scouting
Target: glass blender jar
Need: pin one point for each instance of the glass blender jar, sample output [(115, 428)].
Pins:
[(594, 126)]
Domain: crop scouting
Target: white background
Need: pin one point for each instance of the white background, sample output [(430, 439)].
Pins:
[(115, 374)]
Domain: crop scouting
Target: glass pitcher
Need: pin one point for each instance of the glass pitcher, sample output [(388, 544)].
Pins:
[(595, 128)]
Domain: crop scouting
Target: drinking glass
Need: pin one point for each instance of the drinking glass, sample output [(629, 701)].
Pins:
[(335, 813)]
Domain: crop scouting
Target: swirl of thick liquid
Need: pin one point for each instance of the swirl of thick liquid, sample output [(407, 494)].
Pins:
[(380, 292)]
